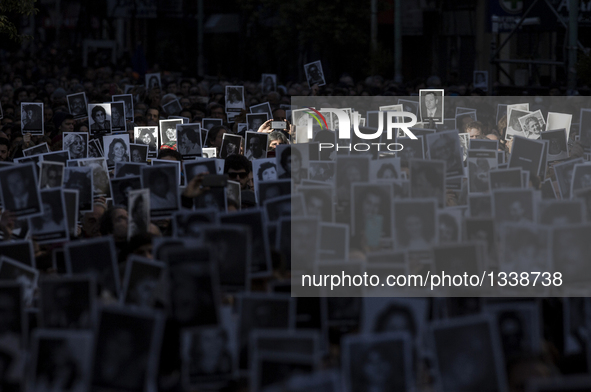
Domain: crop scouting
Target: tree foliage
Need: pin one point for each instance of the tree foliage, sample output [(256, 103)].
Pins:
[(10, 9)]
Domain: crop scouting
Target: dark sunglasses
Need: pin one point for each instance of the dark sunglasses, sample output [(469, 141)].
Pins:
[(238, 174)]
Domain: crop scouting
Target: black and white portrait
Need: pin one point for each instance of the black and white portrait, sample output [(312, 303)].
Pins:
[(411, 148), (480, 80), (432, 105), (255, 145), (11, 270), (349, 170), (52, 175), (116, 149), (127, 100), (264, 107), (415, 223), (94, 257), (532, 124), (95, 149), (189, 140), (234, 98), (20, 194), (121, 186), (147, 136), (118, 117), (100, 175), (67, 302), (255, 121), (514, 112), (168, 134), (527, 154), (12, 322), (143, 278), (378, 362), (480, 206), (264, 170), (81, 180), (513, 205), (268, 83), (324, 171), (271, 189), (138, 211), (564, 176), (314, 74), (52, 226), (77, 105), (559, 121), (523, 247), (570, 249), (153, 81), (208, 123), (558, 146), (371, 212), (427, 179), (230, 145), (162, 181), (126, 344), (76, 143), (384, 169), (61, 361), (468, 355), (99, 119), (318, 202), (505, 178), (449, 225), (172, 108), (480, 163), (581, 177), (36, 150), (193, 289), (254, 219), (207, 356), (138, 153), (32, 118), (446, 146), (214, 198)]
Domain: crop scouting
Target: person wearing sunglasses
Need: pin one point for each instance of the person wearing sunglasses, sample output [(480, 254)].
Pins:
[(238, 168)]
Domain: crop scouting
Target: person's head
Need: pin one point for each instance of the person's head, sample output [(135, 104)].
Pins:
[(115, 113), (533, 126), (146, 136), (117, 150), (77, 104), (158, 182), (17, 183), (64, 122), (171, 133), (215, 136), (190, 136), (475, 129), (371, 203), (387, 171), (216, 111), (231, 148), (76, 144), (414, 226), (267, 171), (91, 220), (136, 156), (99, 115), (276, 138), (4, 148), (256, 123), (153, 115), (238, 168), (431, 100), (168, 154)]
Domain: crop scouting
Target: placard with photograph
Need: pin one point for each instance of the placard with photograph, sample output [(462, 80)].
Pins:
[(32, 120), (77, 105)]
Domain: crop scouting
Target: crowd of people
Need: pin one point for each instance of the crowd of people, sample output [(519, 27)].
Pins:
[(138, 257)]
